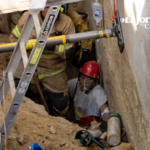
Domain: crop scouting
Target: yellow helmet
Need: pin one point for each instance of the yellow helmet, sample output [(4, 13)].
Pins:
[(64, 8)]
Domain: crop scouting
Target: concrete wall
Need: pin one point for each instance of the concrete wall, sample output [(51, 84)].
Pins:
[(126, 75), (137, 45)]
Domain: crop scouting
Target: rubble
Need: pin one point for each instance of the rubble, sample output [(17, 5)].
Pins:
[(22, 139), (52, 130)]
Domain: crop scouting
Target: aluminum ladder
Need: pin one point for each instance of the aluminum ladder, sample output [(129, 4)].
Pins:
[(30, 64)]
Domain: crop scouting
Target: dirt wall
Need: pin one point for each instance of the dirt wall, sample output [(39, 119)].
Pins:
[(121, 84)]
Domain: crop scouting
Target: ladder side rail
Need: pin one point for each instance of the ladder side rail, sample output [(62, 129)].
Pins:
[(27, 74), (4, 88), (16, 57), (25, 34)]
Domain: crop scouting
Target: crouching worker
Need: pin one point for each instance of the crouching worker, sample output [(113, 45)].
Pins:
[(87, 97)]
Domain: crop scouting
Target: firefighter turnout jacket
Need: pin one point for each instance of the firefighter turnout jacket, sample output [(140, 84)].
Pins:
[(52, 65)]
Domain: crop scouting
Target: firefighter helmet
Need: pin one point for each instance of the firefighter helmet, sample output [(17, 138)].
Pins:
[(64, 9)]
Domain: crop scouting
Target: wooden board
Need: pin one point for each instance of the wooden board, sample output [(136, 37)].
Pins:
[(7, 6), (62, 1)]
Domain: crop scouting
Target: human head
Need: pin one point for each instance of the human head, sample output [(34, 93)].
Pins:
[(89, 75)]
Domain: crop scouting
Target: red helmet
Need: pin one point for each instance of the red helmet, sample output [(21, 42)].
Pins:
[(91, 69)]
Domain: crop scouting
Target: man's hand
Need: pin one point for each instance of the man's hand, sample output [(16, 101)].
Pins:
[(104, 112)]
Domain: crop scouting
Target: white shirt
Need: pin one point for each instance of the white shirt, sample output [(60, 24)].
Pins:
[(86, 104)]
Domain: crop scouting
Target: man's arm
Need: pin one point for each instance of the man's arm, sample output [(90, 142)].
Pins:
[(81, 26), (16, 32), (66, 26), (104, 112)]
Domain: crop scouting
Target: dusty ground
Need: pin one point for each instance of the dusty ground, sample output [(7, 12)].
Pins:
[(33, 124)]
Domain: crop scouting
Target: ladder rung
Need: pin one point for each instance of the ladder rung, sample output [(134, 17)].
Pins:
[(3, 89), (37, 24), (24, 54), (12, 84)]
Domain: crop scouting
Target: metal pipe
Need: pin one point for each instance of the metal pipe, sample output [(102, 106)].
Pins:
[(72, 38)]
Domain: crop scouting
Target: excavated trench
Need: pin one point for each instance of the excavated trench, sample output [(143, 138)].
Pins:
[(33, 124)]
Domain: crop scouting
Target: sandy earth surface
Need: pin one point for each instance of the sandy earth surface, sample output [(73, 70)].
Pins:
[(33, 124)]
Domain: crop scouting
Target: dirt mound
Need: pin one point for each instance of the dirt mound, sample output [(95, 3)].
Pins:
[(33, 124)]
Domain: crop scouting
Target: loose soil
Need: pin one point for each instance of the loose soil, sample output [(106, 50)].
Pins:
[(33, 124)]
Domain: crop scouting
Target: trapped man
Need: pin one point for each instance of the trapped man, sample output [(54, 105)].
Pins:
[(87, 96)]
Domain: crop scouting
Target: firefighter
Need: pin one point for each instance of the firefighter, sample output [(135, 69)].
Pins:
[(86, 46), (87, 96), (52, 65), (80, 26)]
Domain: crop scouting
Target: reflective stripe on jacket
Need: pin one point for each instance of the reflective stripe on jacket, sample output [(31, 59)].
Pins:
[(63, 111), (41, 76), (16, 32), (56, 55)]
